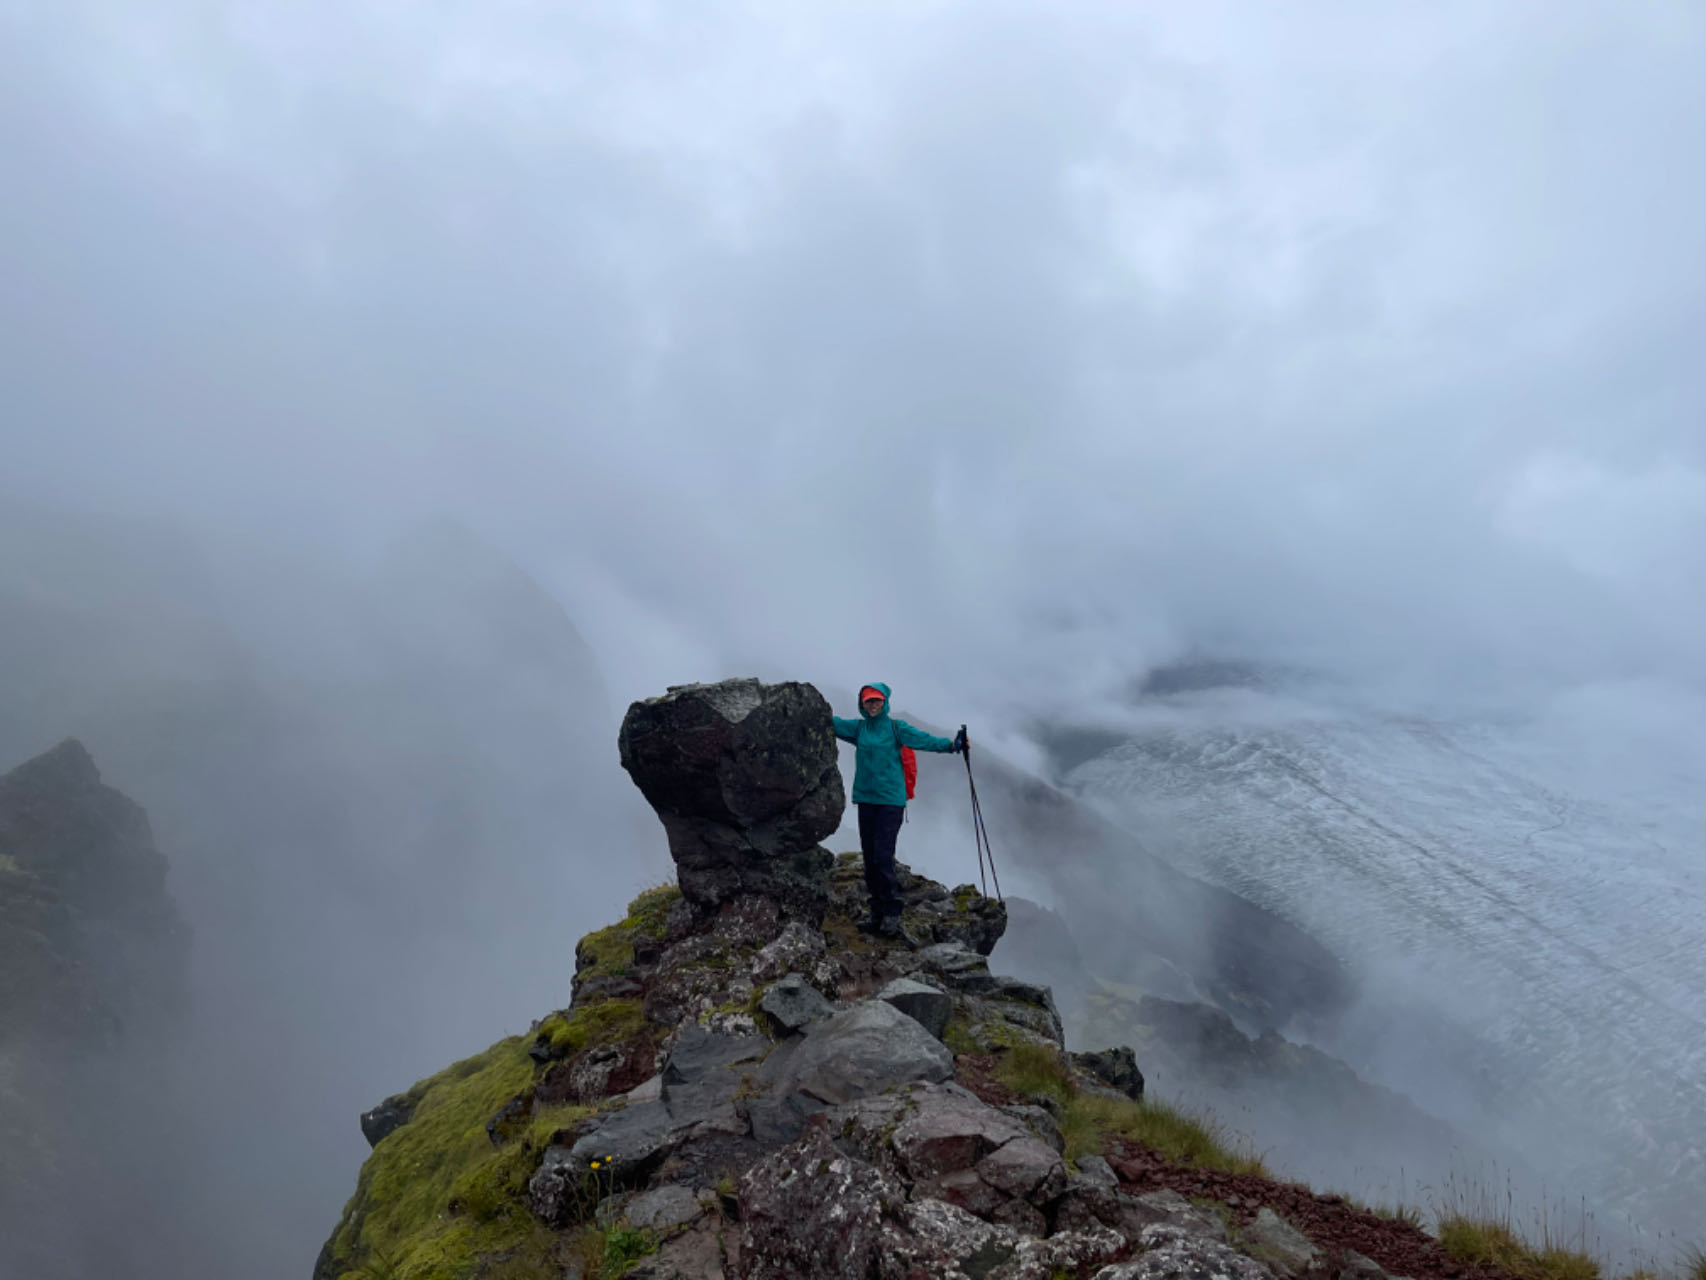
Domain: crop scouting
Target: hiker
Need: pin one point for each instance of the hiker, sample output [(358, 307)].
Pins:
[(881, 790)]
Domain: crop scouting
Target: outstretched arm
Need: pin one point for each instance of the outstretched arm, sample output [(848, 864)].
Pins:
[(918, 740), (846, 730)]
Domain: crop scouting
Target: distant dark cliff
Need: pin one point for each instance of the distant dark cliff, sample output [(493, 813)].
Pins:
[(89, 938)]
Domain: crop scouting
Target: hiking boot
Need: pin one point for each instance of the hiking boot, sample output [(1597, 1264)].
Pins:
[(871, 926), (889, 927)]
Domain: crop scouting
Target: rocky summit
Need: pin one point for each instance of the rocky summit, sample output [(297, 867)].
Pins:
[(745, 1086)]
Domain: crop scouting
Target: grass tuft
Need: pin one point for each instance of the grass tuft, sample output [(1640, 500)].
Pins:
[(1694, 1263), (1088, 1120), (623, 1247), (1492, 1241), (1028, 1069), (1174, 1134)]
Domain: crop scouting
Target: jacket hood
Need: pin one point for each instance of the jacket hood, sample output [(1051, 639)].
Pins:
[(888, 699)]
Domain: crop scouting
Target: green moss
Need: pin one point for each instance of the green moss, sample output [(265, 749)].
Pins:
[(399, 1217), (957, 1035), (606, 952), (609, 952), (606, 1022), (499, 1183), (649, 913)]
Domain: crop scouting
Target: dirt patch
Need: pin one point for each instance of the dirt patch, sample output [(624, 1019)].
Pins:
[(976, 1072)]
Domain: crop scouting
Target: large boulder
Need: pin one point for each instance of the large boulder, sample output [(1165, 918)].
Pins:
[(928, 1006), (744, 777), (864, 1049)]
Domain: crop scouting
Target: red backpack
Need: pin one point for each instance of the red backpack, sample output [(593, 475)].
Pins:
[(908, 764)]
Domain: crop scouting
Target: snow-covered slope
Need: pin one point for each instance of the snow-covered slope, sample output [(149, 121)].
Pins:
[(1523, 903)]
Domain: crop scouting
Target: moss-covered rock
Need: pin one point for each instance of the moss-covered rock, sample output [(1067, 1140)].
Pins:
[(400, 1221)]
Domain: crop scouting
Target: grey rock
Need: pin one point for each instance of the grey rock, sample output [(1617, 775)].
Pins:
[(963, 916), (1097, 1171), (702, 1076), (861, 1050), (1002, 987), (793, 1002), (1286, 1249), (949, 1241), (556, 1192), (696, 1095), (664, 1208), (1024, 1004), (952, 959), (697, 1254), (647, 1091), (633, 1140), (929, 1007), (1169, 1209), (775, 1120), (387, 1118), (1025, 1169), (745, 779), (808, 1210), (1116, 1068), (1354, 1266), (1040, 1121), (589, 1074), (1172, 1253), (797, 949), (1085, 1205), (947, 1129), (699, 1054), (1065, 1252), (813, 1210)]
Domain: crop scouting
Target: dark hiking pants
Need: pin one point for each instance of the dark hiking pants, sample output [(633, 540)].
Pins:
[(879, 825)]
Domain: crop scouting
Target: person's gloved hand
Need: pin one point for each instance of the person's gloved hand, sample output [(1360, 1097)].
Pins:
[(961, 745)]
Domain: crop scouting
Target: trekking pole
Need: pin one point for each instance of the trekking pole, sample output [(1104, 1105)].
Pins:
[(979, 830)]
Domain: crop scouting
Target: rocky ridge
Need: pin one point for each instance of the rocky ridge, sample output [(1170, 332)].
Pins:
[(744, 1085)]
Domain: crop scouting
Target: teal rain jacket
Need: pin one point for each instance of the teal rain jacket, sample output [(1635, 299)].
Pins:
[(877, 776)]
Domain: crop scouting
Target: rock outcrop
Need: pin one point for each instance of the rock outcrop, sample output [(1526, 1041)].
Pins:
[(93, 959), (89, 938), (746, 1087), (745, 779)]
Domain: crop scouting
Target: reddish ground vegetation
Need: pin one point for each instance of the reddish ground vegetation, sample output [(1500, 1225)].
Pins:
[(1330, 1222), (976, 1072)]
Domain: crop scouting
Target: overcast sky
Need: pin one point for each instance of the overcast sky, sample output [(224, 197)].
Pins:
[(995, 349)]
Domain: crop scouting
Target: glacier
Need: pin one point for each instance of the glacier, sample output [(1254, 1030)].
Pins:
[(1520, 895)]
